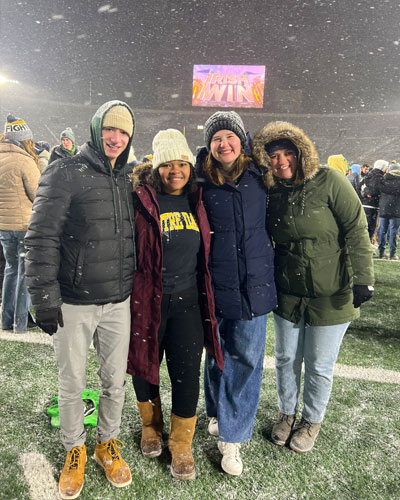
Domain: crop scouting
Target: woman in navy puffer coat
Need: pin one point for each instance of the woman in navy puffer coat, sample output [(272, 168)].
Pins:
[(241, 266)]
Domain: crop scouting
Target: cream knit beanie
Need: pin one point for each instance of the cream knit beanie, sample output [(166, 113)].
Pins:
[(119, 117), (169, 145)]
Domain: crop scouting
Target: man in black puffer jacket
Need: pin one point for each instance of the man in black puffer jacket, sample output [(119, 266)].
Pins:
[(79, 268), (389, 212), (370, 190)]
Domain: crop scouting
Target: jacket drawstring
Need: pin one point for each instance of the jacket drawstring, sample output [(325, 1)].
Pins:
[(117, 230), (127, 205)]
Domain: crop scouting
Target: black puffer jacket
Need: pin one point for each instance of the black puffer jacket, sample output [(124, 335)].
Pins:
[(389, 203), (370, 188), (58, 152), (80, 238)]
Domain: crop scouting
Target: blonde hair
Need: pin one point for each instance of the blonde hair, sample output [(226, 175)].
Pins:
[(28, 146), (212, 169)]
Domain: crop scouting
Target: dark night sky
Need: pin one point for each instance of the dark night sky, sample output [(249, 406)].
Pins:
[(340, 55)]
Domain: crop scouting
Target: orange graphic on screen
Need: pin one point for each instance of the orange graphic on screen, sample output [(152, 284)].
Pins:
[(228, 86)]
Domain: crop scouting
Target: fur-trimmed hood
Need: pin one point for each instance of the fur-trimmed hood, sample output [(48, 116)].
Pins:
[(142, 174), (308, 161)]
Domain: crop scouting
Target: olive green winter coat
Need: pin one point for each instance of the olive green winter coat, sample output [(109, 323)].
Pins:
[(320, 235)]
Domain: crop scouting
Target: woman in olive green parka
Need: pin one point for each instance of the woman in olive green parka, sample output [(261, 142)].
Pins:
[(323, 272)]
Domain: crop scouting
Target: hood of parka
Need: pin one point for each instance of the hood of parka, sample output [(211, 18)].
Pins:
[(142, 174), (308, 161), (96, 126)]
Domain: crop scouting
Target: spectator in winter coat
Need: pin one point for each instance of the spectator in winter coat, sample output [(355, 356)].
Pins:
[(80, 267), (389, 212), (323, 273), (42, 149), (354, 177), (370, 190), (338, 162), (172, 301), (67, 148), (19, 177), (365, 168), (242, 271)]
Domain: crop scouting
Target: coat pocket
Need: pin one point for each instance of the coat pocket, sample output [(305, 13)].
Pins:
[(329, 273)]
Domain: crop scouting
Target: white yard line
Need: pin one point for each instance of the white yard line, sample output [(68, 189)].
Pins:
[(31, 337), (39, 477), (345, 371), (354, 372)]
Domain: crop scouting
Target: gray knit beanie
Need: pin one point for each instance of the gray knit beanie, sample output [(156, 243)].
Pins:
[(68, 133), (16, 129), (224, 120)]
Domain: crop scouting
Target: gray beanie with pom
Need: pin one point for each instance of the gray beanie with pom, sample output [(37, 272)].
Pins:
[(16, 129)]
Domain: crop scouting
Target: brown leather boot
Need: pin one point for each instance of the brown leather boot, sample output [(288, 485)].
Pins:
[(72, 475), (107, 455), (152, 426), (180, 445)]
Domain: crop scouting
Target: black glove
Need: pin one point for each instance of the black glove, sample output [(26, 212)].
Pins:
[(49, 319), (362, 293)]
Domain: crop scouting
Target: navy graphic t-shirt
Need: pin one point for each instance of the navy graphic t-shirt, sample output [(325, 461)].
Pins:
[(180, 241)]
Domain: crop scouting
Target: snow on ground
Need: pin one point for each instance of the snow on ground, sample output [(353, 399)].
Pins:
[(353, 372), (39, 476)]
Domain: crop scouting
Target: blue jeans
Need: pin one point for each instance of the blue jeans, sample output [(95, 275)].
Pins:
[(390, 226), (318, 347), (232, 395), (15, 297)]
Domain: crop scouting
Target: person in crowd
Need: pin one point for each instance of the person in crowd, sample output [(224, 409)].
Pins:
[(172, 301), (355, 177), (67, 148), (242, 271), (370, 190), (19, 177), (365, 168), (42, 150), (79, 267), (338, 162), (389, 213), (323, 273), (2, 266)]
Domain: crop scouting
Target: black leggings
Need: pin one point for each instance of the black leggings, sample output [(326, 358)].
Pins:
[(181, 337)]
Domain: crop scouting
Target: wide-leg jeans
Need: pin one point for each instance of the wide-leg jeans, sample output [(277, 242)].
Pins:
[(318, 347), (232, 395)]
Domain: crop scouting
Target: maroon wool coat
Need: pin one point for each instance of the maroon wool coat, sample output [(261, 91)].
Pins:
[(147, 289)]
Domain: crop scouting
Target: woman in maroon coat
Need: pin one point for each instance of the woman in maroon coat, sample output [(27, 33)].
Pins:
[(172, 301)]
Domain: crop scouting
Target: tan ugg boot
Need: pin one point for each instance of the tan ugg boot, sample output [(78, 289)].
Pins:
[(152, 426), (180, 445)]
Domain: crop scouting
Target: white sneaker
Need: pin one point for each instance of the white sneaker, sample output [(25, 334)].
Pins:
[(231, 462), (213, 427)]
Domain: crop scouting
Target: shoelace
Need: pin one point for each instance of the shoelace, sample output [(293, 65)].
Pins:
[(113, 447), (74, 458), (306, 425), (284, 417)]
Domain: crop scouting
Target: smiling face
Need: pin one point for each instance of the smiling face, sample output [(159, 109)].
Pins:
[(283, 163), (115, 142), (174, 176), (67, 143), (225, 147)]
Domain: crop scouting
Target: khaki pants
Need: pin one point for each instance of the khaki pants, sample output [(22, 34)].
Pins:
[(108, 326)]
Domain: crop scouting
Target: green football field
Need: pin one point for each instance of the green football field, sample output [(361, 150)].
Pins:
[(357, 455)]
